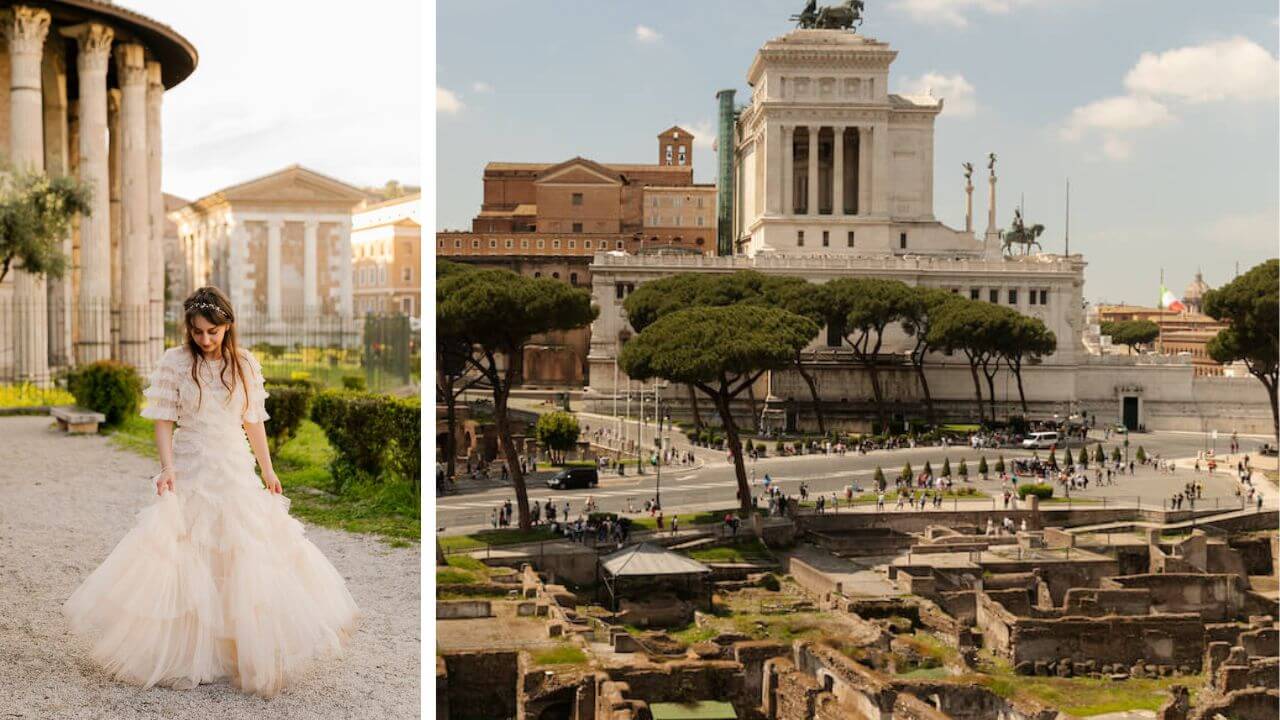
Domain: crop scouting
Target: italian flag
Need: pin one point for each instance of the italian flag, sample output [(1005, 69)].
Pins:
[(1169, 302)]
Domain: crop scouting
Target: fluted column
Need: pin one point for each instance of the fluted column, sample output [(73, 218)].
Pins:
[(155, 199), (135, 262), (274, 228), (813, 170), (837, 170), (25, 29), (57, 163), (94, 44), (788, 170), (773, 163), (310, 292), (115, 153)]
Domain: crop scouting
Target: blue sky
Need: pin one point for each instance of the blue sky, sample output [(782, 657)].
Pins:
[(1163, 113)]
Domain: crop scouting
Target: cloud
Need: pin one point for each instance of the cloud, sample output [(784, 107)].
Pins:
[(955, 12), (1234, 69), (704, 133), (447, 102), (481, 87), (954, 89), (647, 34), (1116, 114), (1245, 230)]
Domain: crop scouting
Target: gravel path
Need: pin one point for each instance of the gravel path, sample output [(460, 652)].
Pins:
[(66, 501)]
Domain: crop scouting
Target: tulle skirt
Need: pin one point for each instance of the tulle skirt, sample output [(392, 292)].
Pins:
[(215, 581)]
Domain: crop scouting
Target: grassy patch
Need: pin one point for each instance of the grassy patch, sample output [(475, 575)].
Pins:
[(389, 509), (462, 570), (694, 634), (710, 517), (741, 552), (25, 395), (562, 654), (1070, 501), (485, 538), (1081, 696)]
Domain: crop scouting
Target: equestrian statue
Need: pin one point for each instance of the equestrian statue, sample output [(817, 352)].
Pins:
[(1020, 234), (845, 16)]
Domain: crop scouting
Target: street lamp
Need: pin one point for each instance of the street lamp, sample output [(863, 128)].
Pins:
[(657, 440)]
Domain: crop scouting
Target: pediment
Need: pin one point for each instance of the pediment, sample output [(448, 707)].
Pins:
[(580, 171), (295, 184)]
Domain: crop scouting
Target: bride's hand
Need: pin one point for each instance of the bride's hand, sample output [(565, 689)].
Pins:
[(164, 481), (272, 482)]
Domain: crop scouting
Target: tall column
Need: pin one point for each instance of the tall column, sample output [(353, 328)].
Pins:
[(837, 171), (968, 204), (865, 145), (57, 163), (26, 29), (274, 229), (94, 43), (813, 169), (992, 229), (773, 165), (788, 170), (880, 170), (155, 199), (115, 153), (135, 240), (344, 253), (310, 292)]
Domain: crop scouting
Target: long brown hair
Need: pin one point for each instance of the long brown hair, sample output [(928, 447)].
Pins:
[(211, 304)]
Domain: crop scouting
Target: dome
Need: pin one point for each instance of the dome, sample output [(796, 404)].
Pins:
[(1196, 289)]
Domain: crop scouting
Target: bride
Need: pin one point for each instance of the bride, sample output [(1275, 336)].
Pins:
[(215, 581)]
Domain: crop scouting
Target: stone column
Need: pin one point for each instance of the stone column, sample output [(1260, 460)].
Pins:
[(788, 170), (837, 171), (274, 230), (115, 154), (864, 170), (773, 166), (968, 205), (880, 170), (26, 28), (992, 229), (310, 291), (155, 199), (57, 163), (135, 262), (94, 42), (813, 170), (345, 307)]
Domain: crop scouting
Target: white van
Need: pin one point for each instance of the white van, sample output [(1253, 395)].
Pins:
[(1040, 440)]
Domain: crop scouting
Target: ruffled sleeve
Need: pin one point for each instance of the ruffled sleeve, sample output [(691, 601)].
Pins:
[(257, 409), (162, 390)]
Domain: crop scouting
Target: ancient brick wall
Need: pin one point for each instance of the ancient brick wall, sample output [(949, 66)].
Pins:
[(1214, 597), (1157, 639), (482, 684), (752, 656), (688, 680), (1095, 602)]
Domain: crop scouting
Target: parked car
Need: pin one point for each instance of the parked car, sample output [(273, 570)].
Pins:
[(573, 478), (1038, 440)]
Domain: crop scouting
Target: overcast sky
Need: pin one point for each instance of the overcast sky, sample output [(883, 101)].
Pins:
[(1163, 113), (331, 86)]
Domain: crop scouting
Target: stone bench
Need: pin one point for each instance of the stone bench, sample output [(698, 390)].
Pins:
[(77, 420)]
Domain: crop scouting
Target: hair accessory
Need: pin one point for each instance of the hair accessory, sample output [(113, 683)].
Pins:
[(205, 306)]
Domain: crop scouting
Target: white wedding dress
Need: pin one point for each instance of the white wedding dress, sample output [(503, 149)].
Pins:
[(216, 580)]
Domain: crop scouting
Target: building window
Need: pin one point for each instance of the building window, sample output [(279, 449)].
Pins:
[(406, 305), (542, 243), (679, 221), (577, 227), (524, 243), (573, 278), (555, 275), (1013, 296), (993, 295), (835, 334), (826, 238), (619, 244), (493, 244), (698, 241), (406, 275), (799, 238), (668, 155), (586, 244), (902, 241), (618, 291), (850, 238), (1031, 297), (677, 201), (577, 198), (973, 293), (509, 243), (475, 244), (1044, 297), (700, 221), (573, 244), (682, 155), (440, 244), (555, 244), (955, 291)]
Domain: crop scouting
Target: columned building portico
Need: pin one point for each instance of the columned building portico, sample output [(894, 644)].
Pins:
[(68, 114)]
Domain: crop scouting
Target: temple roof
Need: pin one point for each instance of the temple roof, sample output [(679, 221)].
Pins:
[(646, 559)]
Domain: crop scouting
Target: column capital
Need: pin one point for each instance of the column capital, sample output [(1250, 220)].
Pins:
[(94, 44), (131, 64), (276, 224), (26, 28), (154, 81), (310, 224)]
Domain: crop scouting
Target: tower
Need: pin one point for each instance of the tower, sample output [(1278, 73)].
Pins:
[(675, 147)]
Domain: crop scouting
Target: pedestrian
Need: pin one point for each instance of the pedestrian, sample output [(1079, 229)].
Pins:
[(659, 519), (880, 501), (1259, 502), (493, 518), (566, 510)]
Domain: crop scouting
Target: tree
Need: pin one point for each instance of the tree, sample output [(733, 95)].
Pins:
[(946, 467), (807, 300), (864, 307), (1028, 339), (964, 470), (1248, 304), (907, 474), (1141, 455), (879, 477), (1068, 459), (917, 318), (721, 351), (661, 297), (1115, 454), (973, 328), (454, 375), (1083, 458), (35, 216), (558, 432), (1131, 332), (1053, 458), (982, 467), (928, 469), (1098, 454), (497, 312)]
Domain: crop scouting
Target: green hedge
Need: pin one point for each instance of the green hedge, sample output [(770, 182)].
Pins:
[(109, 387), (288, 406), (1040, 490), (371, 434), (306, 383)]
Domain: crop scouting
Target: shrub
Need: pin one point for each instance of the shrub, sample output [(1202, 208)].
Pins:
[(1041, 490), (770, 582), (946, 467), (406, 436), (907, 473), (1142, 455), (353, 382), (750, 446), (982, 466), (109, 387), (1083, 458), (288, 406), (558, 432), (964, 468), (269, 350), (880, 481), (928, 469), (1068, 459), (1053, 458), (1115, 454), (294, 382), (357, 425), (779, 447), (1000, 464)]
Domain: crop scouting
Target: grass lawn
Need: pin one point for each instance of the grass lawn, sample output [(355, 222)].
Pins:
[(388, 509), (709, 517), (747, 551), (1082, 696), (485, 538), (562, 654), (25, 395), (462, 570)]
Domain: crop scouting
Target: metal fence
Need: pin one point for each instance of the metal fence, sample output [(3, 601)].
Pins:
[(381, 349)]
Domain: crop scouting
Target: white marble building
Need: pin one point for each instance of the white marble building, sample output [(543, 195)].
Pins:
[(865, 209)]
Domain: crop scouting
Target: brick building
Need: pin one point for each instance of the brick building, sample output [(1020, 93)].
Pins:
[(1180, 332)]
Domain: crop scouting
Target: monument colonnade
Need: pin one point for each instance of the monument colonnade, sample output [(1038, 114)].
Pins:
[(841, 182), (110, 301)]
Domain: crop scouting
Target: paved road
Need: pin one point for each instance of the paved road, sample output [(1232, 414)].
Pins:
[(714, 484)]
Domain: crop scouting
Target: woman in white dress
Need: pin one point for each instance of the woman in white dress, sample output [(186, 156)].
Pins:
[(216, 580)]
